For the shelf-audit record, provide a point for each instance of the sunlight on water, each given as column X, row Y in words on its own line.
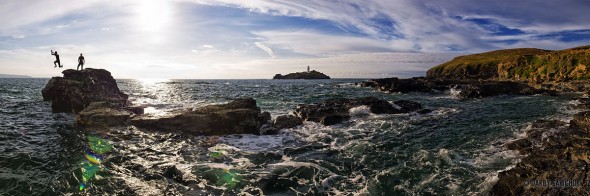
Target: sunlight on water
column 146, row 82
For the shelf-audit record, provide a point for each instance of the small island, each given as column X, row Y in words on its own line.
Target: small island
column 313, row 74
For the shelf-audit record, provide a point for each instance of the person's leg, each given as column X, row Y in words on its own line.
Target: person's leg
column 55, row 64
column 60, row 65
column 79, row 66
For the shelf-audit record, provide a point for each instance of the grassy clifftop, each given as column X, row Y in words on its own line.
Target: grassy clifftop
column 527, row 64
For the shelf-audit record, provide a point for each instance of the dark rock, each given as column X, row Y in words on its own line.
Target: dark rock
column 406, row 106
column 264, row 158
column 424, row 111
column 303, row 75
column 135, row 109
column 382, row 107
column 103, row 114
column 333, row 111
column 494, row 88
column 77, row 89
column 333, row 119
column 469, row 88
column 558, row 164
column 237, row 117
column 521, row 145
column 582, row 120
column 174, row 173
column 286, row 121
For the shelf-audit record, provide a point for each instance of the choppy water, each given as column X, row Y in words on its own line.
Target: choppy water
column 457, row 149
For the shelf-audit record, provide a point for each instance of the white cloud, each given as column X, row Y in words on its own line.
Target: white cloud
column 265, row 48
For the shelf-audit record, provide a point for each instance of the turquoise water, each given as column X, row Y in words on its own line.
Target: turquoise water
column 456, row 149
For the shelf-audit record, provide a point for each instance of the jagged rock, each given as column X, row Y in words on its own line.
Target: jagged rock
column 174, row 173
column 582, row 121
column 103, row 114
column 333, row 111
column 557, row 162
column 286, row 121
column 237, row 117
column 493, row 88
column 77, row 89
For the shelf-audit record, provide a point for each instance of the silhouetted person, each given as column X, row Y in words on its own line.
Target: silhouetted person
column 81, row 62
column 56, row 62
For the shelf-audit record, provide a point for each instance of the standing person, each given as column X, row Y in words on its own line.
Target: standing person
column 81, row 62
column 56, row 62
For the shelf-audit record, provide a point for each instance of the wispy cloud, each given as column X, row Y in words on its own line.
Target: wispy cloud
column 206, row 38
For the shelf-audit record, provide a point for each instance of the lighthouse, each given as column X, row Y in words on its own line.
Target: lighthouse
column 308, row 69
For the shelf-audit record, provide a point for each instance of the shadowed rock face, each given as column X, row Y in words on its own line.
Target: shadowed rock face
column 77, row 89
column 333, row 111
column 237, row 117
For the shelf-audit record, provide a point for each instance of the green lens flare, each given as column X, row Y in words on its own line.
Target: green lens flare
column 99, row 145
column 96, row 153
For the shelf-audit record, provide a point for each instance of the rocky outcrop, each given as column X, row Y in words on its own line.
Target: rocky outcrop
column 237, row 117
column 493, row 88
column 469, row 89
column 77, row 89
column 557, row 160
column 522, row 64
column 334, row 111
column 303, row 75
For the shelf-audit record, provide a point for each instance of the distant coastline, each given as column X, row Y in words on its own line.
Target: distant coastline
column 14, row 76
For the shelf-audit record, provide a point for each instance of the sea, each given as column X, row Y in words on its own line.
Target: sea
column 457, row 149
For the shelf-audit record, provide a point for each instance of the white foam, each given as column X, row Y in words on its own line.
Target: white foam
column 256, row 143
column 454, row 92
column 360, row 111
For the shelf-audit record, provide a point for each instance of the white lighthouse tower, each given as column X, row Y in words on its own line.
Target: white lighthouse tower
column 308, row 69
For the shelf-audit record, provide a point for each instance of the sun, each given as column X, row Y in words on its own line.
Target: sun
column 153, row 17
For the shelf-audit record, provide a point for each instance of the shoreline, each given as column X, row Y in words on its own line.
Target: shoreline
column 553, row 150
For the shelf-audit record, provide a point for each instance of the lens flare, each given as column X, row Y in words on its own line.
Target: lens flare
column 97, row 151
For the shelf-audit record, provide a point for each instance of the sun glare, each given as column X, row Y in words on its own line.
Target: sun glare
column 152, row 81
column 153, row 17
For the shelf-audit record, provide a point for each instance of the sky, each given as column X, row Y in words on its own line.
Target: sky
column 256, row 39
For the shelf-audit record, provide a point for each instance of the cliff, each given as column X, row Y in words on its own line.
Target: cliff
column 303, row 75
column 522, row 64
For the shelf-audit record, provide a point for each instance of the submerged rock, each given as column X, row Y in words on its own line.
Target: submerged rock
column 237, row 117
column 77, row 89
column 334, row 111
